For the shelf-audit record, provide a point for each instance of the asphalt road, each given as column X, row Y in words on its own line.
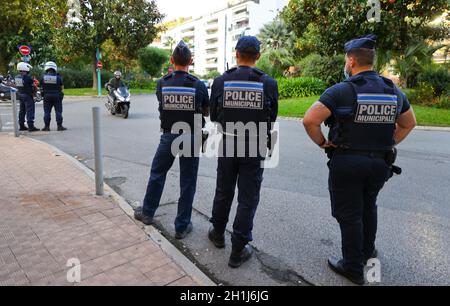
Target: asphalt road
column 294, row 232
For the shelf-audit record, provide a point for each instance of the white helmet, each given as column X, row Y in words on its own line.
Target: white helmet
column 22, row 66
column 118, row 74
column 50, row 65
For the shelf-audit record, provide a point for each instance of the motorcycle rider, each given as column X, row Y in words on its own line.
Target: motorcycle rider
column 52, row 91
column 115, row 83
column 26, row 88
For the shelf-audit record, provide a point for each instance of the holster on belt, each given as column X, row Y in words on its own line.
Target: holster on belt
column 391, row 157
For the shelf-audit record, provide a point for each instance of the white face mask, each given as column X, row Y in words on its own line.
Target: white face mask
column 346, row 73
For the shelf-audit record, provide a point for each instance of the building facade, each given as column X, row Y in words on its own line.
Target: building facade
column 213, row 37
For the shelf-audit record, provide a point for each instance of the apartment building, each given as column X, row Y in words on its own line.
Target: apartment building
column 213, row 36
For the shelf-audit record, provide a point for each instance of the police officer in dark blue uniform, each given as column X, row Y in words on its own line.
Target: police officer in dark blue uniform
column 26, row 88
column 52, row 90
column 183, row 101
column 243, row 94
column 368, row 116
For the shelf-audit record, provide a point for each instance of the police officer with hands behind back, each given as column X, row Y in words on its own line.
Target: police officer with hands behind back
column 183, row 100
column 26, row 88
column 367, row 115
column 245, row 95
column 52, row 90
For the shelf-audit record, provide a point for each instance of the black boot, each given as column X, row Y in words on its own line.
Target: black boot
column 140, row 216
column 238, row 257
column 218, row 239
column 183, row 234
column 337, row 265
column 23, row 127
column 61, row 128
column 32, row 128
column 46, row 128
column 374, row 255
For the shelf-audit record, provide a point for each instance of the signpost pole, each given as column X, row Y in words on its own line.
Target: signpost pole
column 99, row 75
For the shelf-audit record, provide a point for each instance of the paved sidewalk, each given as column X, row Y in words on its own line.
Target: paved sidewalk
column 49, row 214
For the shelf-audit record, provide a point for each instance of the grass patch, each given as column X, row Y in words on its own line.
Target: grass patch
column 425, row 115
column 295, row 107
column 88, row 92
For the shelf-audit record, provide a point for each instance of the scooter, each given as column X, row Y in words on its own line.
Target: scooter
column 118, row 101
column 5, row 89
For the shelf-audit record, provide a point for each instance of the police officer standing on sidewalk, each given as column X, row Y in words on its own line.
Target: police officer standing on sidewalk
column 26, row 88
column 183, row 100
column 367, row 115
column 245, row 95
column 52, row 90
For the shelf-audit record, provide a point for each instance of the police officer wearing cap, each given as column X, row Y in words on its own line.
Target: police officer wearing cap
column 25, row 85
column 368, row 116
column 243, row 94
column 52, row 90
column 183, row 100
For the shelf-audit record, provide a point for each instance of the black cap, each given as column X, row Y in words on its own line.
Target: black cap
column 247, row 42
column 182, row 49
column 365, row 42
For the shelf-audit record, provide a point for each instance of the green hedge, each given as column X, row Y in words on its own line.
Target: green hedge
column 75, row 78
column 300, row 87
column 330, row 69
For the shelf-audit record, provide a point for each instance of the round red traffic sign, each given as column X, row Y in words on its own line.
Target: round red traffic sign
column 24, row 50
column 99, row 65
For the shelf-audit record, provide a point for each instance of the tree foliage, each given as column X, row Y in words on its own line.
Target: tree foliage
column 32, row 23
column 402, row 22
column 152, row 60
column 129, row 24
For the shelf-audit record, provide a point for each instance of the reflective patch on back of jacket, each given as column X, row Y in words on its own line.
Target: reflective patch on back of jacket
column 18, row 81
column 178, row 98
column 376, row 108
column 50, row 79
column 243, row 95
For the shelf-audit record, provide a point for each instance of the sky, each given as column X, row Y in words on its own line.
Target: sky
column 185, row 8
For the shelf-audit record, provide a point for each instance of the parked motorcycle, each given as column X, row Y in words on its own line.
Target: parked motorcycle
column 118, row 101
column 5, row 89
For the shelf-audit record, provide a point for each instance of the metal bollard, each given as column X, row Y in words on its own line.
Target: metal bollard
column 14, row 109
column 98, row 152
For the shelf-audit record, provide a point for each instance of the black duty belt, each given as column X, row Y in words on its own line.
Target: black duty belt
column 377, row 154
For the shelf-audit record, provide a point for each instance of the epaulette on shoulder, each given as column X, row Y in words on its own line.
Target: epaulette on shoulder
column 258, row 71
column 231, row 70
column 167, row 76
column 388, row 82
column 192, row 77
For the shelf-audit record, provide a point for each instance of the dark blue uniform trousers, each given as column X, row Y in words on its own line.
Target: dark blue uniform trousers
column 248, row 175
column 50, row 101
column 27, row 109
column 162, row 162
column 354, row 184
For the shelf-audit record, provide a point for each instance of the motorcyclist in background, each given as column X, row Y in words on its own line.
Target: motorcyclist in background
column 115, row 83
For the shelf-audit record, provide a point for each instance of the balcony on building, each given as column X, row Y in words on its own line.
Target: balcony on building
column 240, row 26
column 212, row 25
column 241, row 14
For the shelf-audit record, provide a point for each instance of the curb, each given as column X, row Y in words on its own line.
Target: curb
column 419, row 127
column 190, row 268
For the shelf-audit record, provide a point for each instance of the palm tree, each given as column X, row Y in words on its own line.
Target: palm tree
column 170, row 41
column 276, row 35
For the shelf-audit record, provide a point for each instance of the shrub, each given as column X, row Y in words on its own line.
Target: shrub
column 423, row 95
column 211, row 75
column 141, row 83
column 327, row 68
column 300, row 87
column 438, row 78
column 266, row 65
column 152, row 60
